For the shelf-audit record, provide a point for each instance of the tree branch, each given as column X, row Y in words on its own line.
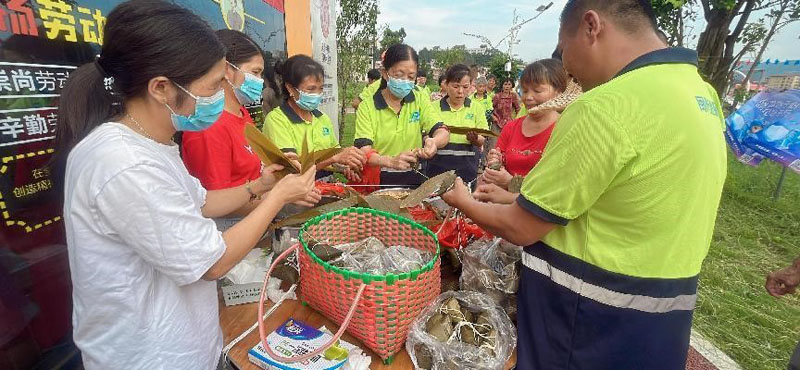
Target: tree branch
column 768, row 4
column 706, row 9
column 743, row 19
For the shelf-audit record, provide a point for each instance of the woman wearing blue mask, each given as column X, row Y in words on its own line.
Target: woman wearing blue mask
column 143, row 252
column 220, row 156
column 298, row 122
column 397, row 126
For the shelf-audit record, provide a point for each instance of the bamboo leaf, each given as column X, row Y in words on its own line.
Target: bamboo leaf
column 267, row 151
column 302, row 217
column 435, row 186
column 306, row 157
column 466, row 130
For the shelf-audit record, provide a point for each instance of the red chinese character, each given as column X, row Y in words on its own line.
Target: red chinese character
column 22, row 21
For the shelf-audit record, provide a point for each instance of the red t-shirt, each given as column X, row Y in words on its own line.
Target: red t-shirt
column 220, row 156
column 521, row 153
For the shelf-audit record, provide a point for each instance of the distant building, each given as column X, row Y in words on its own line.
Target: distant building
column 784, row 82
column 768, row 68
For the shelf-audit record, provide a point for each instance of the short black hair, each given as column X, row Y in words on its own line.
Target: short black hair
column 456, row 73
column 442, row 77
column 422, row 73
column 545, row 71
column 373, row 74
column 507, row 79
column 556, row 54
column 295, row 69
column 630, row 15
column 663, row 37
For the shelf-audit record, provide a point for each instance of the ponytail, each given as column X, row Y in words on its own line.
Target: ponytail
column 88, row 105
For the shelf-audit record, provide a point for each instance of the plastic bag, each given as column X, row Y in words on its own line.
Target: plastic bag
column 439, row 338
column 372, row 257
column 492, row 267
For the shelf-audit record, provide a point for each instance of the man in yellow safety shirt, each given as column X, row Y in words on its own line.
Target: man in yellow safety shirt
column 618, row 215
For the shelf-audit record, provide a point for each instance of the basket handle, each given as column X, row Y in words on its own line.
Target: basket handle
column 262, row 331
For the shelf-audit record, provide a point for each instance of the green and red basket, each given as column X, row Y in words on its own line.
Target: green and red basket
column 376, row 309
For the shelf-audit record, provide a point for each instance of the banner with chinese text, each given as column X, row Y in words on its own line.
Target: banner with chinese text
column 323, row 46
column 41, row 43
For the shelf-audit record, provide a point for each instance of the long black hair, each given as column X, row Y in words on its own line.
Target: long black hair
column 144, row 39
column 240, row 48
column 295, row 69
column 398, row 53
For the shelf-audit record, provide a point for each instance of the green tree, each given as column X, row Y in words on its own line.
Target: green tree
column 498, row 63
column 392, row 37
column 445, row 58
column 355, row 32
column 725, row 24
column 425, row 57
column 675, row 18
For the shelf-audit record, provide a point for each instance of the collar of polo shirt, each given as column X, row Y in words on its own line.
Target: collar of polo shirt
column 380, row 101
column 446, row 106
column 662, row 56
column 293, row 116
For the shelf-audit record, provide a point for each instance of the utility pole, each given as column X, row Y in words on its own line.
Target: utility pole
column 511, row 35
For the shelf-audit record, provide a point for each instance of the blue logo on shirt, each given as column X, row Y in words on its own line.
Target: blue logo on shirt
column 326, row 131
column 414, row 117
column 470, row 116
column 707, row 106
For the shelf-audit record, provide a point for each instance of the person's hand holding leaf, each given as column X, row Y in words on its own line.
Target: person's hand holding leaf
column 298, row 189
column 351, row 157
column 494, row 156
column 268, row 176
column 474, row 138
column 459, row 195
column 499, row 177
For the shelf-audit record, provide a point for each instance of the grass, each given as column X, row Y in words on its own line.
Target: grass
column 348, row 130
column 754, row 235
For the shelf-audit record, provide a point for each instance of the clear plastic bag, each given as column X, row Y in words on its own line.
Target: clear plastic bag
column 475, row 334
column 373, row 257
column 492, row 267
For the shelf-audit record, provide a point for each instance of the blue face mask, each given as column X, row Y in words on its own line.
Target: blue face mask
column 251, row 89
column 399, row 88
column 207, row 110
column 308, row 102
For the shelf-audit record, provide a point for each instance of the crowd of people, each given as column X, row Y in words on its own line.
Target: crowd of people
column 613, row 198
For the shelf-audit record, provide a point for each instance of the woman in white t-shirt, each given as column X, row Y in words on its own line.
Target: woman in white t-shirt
column 143, row 250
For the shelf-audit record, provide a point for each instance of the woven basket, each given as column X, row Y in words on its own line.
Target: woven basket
column 376, row 309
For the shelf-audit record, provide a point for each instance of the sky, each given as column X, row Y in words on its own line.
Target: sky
column 430, row 23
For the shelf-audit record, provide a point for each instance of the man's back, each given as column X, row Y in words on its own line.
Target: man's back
column 634, row 172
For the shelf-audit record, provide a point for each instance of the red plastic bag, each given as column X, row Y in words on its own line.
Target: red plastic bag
column 370, row 175
column 457, row 233
column 421, row 213
column 334, row 189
